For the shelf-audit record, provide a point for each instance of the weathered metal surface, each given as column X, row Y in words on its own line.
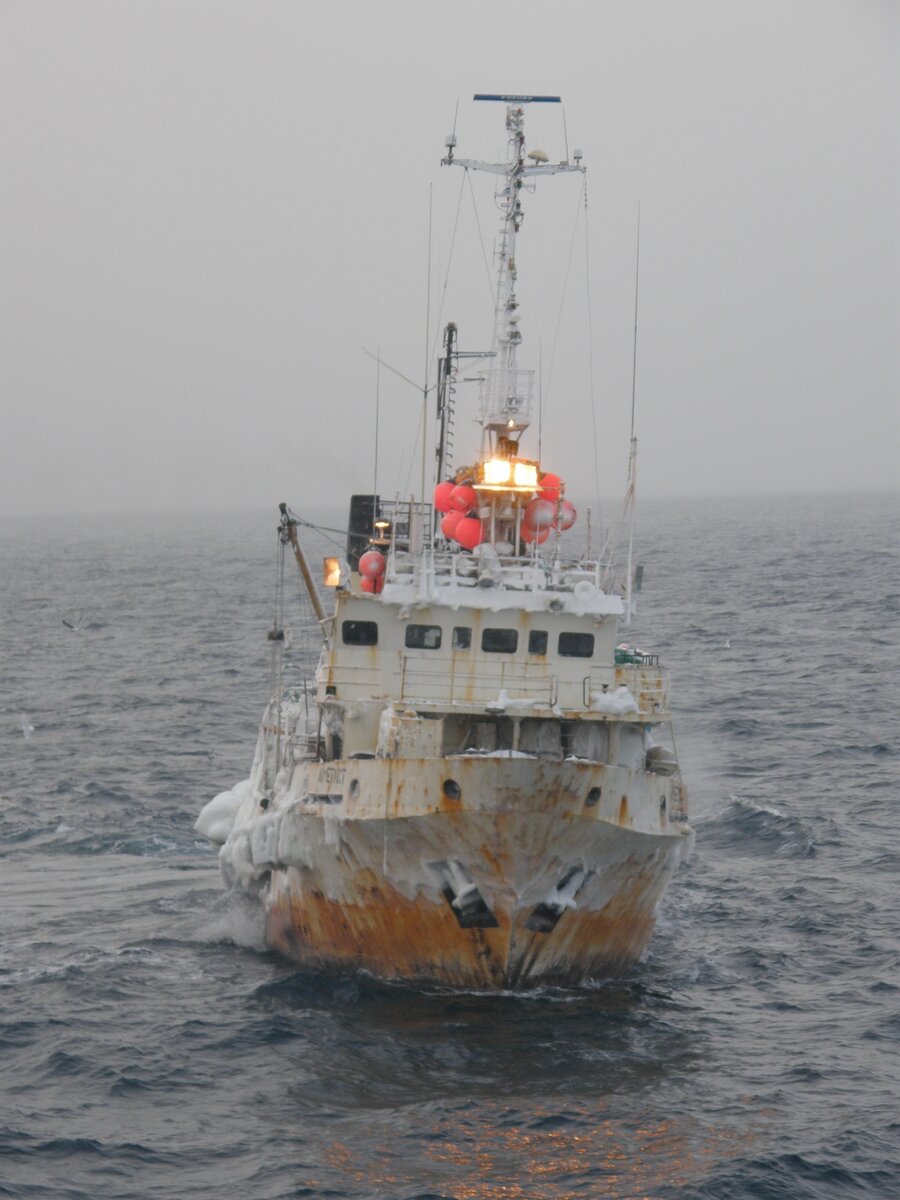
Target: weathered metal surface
column 373, row 926
column 566, row 891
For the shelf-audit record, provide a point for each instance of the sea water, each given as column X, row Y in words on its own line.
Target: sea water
column 152, row 1047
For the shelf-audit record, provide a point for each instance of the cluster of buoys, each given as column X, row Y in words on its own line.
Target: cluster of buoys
column 542, row 514
column 455, row 500
column 454, row 497
column 371, row 570
column 468, row 531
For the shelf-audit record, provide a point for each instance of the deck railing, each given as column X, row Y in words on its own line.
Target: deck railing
column 413, row 679
column 529, row 573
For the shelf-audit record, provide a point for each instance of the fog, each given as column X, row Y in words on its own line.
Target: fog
column 210, row 209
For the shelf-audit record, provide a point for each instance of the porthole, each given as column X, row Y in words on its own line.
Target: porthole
column 592, row 798
column 354, row 789
column 451, row 789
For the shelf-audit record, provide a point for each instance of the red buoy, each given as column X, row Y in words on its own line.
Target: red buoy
column 372, row 585
column 450, row 522
column 371, row 564
column 528, row 534
column 540, row 514
column 550, row 487
column 442, row 495
column 568, row 515
column 469, row 533
column 463, row 498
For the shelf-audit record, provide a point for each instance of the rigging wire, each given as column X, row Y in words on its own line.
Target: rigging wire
column 424, row 391
column 437, row 331
column 587, row 278
column 563, row 297
column 406, row 379
column 487, row 269
column 412, row 458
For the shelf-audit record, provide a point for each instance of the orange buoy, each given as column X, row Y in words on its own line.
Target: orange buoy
column 568, row 515
column 371, row 564
column 463, row 498
column 550, row 487
column 529, row 534
column 469, row 533
column 539, row 514
column 450, row 522
column 372, row 585
column 442, row 495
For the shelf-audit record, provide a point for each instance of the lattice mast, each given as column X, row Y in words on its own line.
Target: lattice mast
column 506, row 391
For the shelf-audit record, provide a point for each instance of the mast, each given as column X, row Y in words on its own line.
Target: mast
column 445, row 390
column 506, row 392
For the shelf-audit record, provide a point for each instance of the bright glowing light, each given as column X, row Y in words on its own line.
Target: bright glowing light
column 332, row 573
column 497, row 470
column 525, row 475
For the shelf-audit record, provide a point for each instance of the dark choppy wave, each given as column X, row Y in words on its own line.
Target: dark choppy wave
column 153, row 1048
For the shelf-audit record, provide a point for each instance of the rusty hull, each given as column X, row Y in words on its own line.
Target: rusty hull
column 359, row 882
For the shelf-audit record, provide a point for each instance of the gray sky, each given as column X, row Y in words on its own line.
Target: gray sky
column 210, row 207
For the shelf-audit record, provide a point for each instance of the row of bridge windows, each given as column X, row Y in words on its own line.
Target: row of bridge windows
column 493, row 641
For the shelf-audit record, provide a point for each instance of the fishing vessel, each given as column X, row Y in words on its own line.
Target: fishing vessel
column 479, row 787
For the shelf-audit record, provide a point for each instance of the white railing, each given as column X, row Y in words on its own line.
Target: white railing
column 512, row 573
column 648, row 685
column 424, row 681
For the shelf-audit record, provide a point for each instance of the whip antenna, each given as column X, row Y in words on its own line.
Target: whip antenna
column 632, row 457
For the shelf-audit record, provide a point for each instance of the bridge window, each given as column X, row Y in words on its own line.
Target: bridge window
column 360, row 633
column 423, row 637
column 462, row 637
column 576, row 645
column 537, row 641
column 500, row 641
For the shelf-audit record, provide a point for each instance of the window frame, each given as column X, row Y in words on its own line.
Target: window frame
column 464, row 643
column 534, row 634
column 492, row 629
column 572, row 634
column 359, row 625
column 426, row 630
